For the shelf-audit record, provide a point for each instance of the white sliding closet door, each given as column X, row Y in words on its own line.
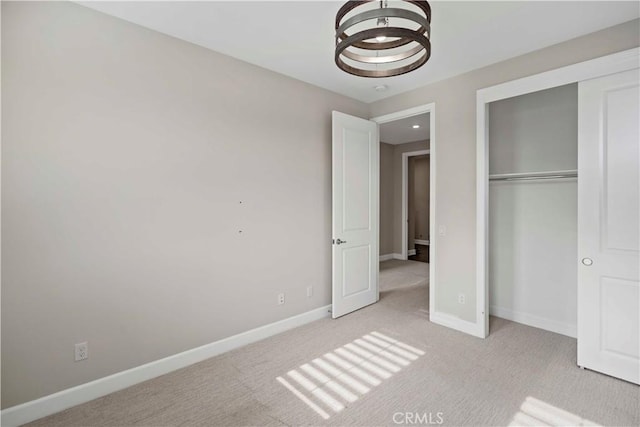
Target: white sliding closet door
column 609, row 225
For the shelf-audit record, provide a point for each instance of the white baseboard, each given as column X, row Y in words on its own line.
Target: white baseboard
column 47, row 405
column 456, row 323
column 421, row 242
column 411, row 252
column 535, row 321
column 387, row 257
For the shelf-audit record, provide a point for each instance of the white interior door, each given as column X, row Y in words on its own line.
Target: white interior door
column 356, row 176
column 609, row 225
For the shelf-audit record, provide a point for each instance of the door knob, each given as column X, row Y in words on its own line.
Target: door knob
column 339, row 242
column 587, row 261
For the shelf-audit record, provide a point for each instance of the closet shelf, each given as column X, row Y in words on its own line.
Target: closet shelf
column 530, row 176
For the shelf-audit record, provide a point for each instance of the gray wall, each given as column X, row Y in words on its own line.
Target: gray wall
column 455, row 100
column 534, row 132
column 386, row 198
column 126, row 155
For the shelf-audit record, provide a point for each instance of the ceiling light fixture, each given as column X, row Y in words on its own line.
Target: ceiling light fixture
column 390, row 31
column 416, row 126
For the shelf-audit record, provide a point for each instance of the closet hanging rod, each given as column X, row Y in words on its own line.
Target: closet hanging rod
column 530, row 176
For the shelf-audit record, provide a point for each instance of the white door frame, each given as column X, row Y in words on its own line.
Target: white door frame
column 609, row 64
column 405, row 199
column 422, row 109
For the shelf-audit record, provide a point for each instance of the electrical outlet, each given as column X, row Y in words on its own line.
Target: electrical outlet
column 280, row 299
column 82, row 351
column 309, row 291
column 461, row 298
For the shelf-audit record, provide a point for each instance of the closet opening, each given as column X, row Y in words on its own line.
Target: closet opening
column 606, row 248
column 532, row 208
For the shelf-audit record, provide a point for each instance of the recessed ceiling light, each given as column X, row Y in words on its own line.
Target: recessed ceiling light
column 416, row 126
column 380, row 88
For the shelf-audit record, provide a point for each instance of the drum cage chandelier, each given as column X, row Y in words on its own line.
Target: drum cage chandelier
column 382, row 44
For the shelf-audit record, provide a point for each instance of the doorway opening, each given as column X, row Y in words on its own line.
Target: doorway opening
column 356, row 213
column 415, row 205
column 407, row 199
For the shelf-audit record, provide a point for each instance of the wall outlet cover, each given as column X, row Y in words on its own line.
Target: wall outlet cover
column 81, row 351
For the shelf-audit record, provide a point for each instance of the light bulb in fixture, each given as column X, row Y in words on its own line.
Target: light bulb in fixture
column 382, row 22
column 416, row 126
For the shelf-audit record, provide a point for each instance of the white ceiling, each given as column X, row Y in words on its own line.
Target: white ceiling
column 402, row 131
column 295, row 38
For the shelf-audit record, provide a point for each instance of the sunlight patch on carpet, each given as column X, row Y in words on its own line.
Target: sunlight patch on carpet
column 534, row 412
column 328, row 384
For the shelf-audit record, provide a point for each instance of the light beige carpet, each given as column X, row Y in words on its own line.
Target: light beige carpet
column 401, row 274
column 518, row 373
